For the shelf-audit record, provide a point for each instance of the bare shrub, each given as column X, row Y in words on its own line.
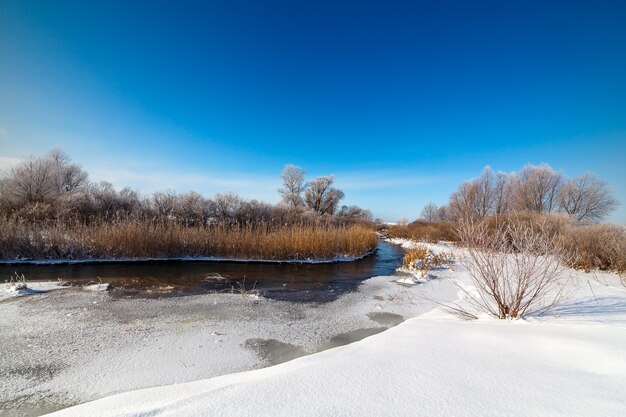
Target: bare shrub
column 421, row 258
column 515, row 268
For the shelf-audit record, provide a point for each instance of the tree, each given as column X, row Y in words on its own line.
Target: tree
column 292, row 177
column 32, row 181
column 226, row 207
column 587, row 198
column 502, row 194
column 429, row 212
column 321, row 197
column 442, row 214
column 536, row 189
column 463, row 201
column 354, row 213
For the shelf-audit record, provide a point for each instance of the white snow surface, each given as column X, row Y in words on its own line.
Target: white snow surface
column 570, row 361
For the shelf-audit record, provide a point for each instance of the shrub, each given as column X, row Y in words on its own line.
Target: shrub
column 597, row 246
column 421, row 258
column 426, row 231
column 515, row 268
column 413, row 257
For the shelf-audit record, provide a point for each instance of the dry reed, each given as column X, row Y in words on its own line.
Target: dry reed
column 425, row 231
column 134, row 239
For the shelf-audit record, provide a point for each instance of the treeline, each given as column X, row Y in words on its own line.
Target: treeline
column 49, row 210
column 51, row 188
column 567, row 209
column 534, row 189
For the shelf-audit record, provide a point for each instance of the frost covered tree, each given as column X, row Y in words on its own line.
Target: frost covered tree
column 321, row 197
column 429, row 212
column 536, row 189
column 292, row 178
column 586, row 198
column 43, row 179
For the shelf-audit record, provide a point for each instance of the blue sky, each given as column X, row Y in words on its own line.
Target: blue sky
column 400, row 100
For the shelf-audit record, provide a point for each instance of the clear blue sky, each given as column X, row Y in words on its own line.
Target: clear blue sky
column 401, row 101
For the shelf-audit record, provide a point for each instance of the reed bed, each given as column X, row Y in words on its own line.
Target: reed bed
column 136, row 240
column 425, row 231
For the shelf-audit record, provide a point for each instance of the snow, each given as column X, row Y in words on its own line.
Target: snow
column 570, row 361
column 339, row 258
column 16, row 289
column 97, row 287
column 71, row 335
column 12, row 289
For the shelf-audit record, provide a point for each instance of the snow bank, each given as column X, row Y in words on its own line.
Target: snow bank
column 10, row 289
column 436, row 248
column 425, row 366
column 569, row 362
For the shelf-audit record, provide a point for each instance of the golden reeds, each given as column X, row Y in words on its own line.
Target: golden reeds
column 135, row 239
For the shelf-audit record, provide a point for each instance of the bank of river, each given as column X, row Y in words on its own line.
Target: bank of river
column 318, row 282
column 71, row 346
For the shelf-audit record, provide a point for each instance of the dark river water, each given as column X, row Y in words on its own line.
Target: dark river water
column 285, row 281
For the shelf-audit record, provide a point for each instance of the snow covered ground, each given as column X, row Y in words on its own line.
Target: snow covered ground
column 570, row 361
column 72, row 346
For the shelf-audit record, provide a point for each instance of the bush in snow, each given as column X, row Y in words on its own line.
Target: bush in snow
column 515, row 268
column 421, row 258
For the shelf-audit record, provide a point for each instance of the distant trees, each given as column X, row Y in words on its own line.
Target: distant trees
column 586, row 197
column 429, row 212
column 293, row 186
column 354, row 214
column 321, row 197
column 535, row 189
column 43, row 179
column 52, row 188
column 318, row 196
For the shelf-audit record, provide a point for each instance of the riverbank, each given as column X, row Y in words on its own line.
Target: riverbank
column 64, row 338
column 568, row 361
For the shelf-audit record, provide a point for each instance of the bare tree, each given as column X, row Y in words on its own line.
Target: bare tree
column 484, row 195
column 442, row 214
column 226, row 207
column 164, row 203
column 354, row 213
column 515, row 268
column 293, row 185
column 463, row 201
column 587, row 198
column 502, row 194
column 429, row 212
column 32, row 181
column 321, row 197
column 536, row 189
